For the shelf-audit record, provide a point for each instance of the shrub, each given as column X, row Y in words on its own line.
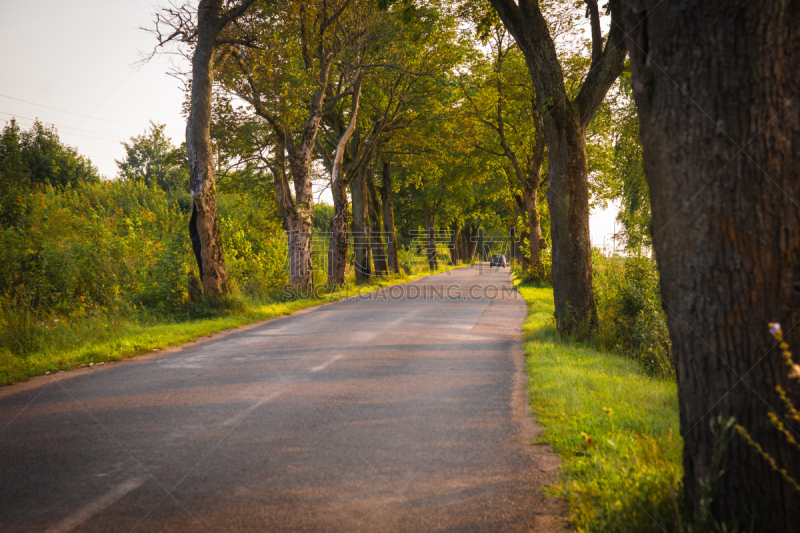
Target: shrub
column 122, row 247
column 539, row 275
column 631, row 320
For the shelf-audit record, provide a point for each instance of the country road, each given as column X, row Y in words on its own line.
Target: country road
column 402, row 410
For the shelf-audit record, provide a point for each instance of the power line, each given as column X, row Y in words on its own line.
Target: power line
column 111, row 137
column 71, row 112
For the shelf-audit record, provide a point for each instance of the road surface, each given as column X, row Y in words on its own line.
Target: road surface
column 403, row 410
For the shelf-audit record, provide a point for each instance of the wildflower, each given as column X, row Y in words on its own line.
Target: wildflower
column 774, row 328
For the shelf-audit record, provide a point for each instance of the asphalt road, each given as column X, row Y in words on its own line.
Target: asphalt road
column 404, row 410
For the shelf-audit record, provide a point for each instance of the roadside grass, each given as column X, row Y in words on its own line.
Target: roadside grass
column 65, row 344
column 614, row 428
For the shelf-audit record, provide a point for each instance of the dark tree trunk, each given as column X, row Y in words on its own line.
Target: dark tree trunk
column 359, row 228
column 462, row 245
column 530, row 199
column 469, row 237
column 455, row 237
column 430, row 230
column 340, row 226
column 388, row 217
column 564, row 121
column 568, row 200
column 716, row 87
column 473, row 240
column 379, row 257
column 516, row 240
column 204, row 222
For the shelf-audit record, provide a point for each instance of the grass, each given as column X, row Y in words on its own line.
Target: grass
column 614, row 428
column 78, row 342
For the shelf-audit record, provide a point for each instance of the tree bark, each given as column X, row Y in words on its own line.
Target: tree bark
column 340, row 227
column 455, row 237
column 337, row 251
column 387, row 196
column 430, row 230
column 359, row 228
column 716, row 87
column 469, row 235
column 537, row 244
column 379, row 256
column 564, row 122
column 204, row 222
column 462, row 245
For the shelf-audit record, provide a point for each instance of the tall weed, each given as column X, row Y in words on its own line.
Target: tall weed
column 631, row 320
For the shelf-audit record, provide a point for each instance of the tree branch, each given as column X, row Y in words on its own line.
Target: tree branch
column 597, row 36
column 605, row 71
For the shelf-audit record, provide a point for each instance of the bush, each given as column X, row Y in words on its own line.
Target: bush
column 540, row 275
column 631, row 321
column 99, row 249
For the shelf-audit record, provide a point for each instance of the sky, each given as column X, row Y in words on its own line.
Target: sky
column 76, row 64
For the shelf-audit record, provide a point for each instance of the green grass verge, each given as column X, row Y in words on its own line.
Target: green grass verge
column 83, row 341
column 614, row 428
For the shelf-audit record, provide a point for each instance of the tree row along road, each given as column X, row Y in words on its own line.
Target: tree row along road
column 403, row 410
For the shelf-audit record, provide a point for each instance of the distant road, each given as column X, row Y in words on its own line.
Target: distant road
column 403, row 410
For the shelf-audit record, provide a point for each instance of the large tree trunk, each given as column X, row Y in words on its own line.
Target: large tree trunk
column 340, row 227
column 463, row 249
column 568, row 200
column 300, row 225
column 716, row 87
column 379, row 257
column 359, row 228
column 388, row 216
column 430, row 230
column 469, row 236
column 564, row 120
column 204, row 222
column 337, row 251
column 455, row 237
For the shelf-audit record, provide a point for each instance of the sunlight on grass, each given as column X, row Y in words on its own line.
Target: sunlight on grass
column 614, row 428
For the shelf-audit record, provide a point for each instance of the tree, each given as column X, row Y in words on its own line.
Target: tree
column 716, row 88
column 565, row 117
column 402, row 67
column 302, row 66
column 209, row 43
column 387, row 214
column 504, row 104
column 33, row 158
column 48, row 161
column 14, row 177
column 153, row 159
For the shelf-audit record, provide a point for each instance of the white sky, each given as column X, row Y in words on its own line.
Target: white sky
column 80, row 56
